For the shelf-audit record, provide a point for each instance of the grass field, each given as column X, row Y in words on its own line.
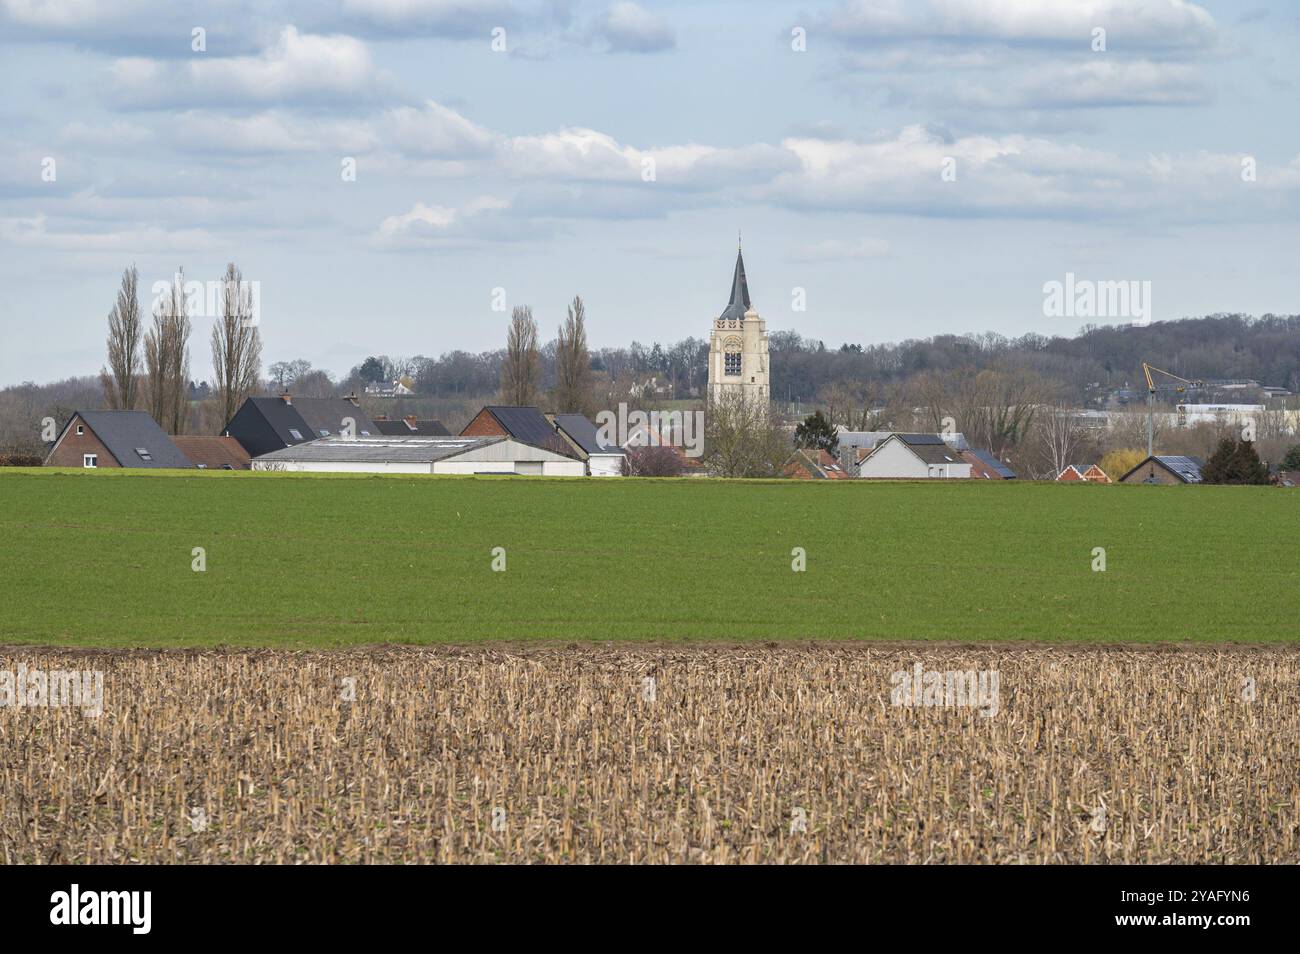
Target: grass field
column 104, row 559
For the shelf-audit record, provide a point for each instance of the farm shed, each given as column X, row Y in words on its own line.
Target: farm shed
column 114, row 439
column 421, row 455
column 526, row 424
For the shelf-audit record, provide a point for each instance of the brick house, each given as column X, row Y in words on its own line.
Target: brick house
column 94, row 439
column 525, row 424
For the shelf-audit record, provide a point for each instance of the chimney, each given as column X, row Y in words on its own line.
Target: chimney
column 353, row 398
column 285, row 397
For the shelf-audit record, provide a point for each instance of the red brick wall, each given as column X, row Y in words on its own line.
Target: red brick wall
column 68, row 452
column 484, row 425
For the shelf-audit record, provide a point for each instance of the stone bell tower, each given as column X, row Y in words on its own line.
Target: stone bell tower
column 738, row 346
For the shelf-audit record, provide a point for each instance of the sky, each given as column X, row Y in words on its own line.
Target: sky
column 396, row 175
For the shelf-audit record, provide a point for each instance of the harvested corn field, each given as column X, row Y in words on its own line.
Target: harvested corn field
column 664, row 754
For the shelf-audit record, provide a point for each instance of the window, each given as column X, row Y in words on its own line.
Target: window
column 295, row 433
column 324, row 432
column 144, row 453
column 731, row 364
column 89, row 460
column 81, row 429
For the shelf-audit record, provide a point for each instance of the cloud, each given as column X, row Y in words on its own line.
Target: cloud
column 1130, row 24
column 297, row 68
column 836, row 250
column 34, row 232
column 269, row 132
column 434, row 131
column 437, row 226
column 462, row 19
column 628, row 28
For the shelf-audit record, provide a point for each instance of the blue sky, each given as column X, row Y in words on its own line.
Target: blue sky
column 527, row 169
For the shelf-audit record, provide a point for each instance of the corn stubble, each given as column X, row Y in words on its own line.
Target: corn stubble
column 558, row 755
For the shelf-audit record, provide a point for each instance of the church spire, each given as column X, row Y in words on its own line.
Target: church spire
column 739, row 302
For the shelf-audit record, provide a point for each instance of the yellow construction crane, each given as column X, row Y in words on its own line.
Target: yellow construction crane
column 1151, row 396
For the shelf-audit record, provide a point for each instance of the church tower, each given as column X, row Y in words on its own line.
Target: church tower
column 738, row 346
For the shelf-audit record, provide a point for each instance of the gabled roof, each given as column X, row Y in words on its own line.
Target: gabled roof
column 930, row 448
column 990, row 462
column 583, row 433
column 404, row 427
column 283, row 419
column 1186, row 469
column 133, row 436
column 529, row 425
column 325, row 416
column 817, row 464
column 738, row 304
column 213, row 453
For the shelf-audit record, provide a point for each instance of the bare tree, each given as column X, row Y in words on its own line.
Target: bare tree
column 741, row 439
column 167, row 359
column 573, row 363
column 1060, row 436
column 121, row 378
column 521, row 370
column 236, row 345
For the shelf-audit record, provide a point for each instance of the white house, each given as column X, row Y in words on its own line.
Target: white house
column 421, row 455
column 913, row 455
column 603, row 460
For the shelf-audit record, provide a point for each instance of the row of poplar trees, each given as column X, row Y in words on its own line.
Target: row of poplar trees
column 150, row 369
column 521, row 372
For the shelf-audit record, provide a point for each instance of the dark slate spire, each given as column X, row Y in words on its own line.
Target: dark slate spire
column 739, row 302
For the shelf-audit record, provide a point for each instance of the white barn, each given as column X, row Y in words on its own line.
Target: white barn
column 421, row 455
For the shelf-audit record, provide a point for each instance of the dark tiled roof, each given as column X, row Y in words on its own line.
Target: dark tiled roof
column 325, row 416
column 584, row 433
column 738, row 304
column 992, row 463
column 404, row 428
column 529, row 425
column 283, row 418
column 127, row 433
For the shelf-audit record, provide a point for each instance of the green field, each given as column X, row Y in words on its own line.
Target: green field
column 104, row 559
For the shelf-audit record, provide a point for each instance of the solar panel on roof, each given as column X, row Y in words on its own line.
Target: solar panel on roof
column 921, row 438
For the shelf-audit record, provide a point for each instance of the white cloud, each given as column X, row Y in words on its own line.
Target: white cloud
column 628, row 28
column 437, row 226
column 297, row 67
column 34, row 232
column 1131, row 24
column 435, row 132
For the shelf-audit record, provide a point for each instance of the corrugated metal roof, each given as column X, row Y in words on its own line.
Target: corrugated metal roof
column 411, row 450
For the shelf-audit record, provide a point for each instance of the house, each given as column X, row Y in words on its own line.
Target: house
column 402, row 387
column 421, row 455
column 1165, row 469
column 1088, row 472
column 266, row 424
column 527, row 425
column 856, row 446
column 114, row 439
column 603, row 460
column 901, row 456
column 984, row 465
column 409, row 427
column 213, row 453
column 809, row 464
